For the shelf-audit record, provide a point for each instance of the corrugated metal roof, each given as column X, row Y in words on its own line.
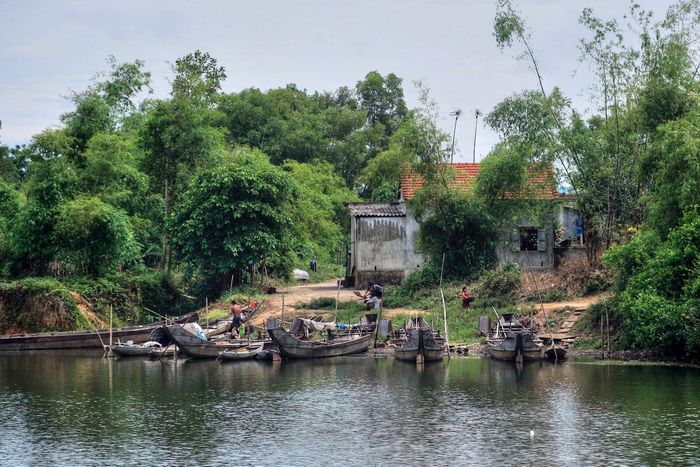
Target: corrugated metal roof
column 376, row 210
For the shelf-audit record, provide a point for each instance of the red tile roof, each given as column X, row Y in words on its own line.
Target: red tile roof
column 465, row 176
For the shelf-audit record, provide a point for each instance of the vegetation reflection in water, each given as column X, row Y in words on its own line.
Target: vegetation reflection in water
column 356, row 411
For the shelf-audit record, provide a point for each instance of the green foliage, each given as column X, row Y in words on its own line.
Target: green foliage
column 9, row 209
column 629, row 259
column 508, row 25
column 499, row 287
column 111, row 171
column 417, row 285
column 461, row 228
column 659, row 283
column 51, row 182
column 410, row 143
column 382, row 99
column 93, row 237
column 232, row 214
column 502, row 174
column 318, row 213
column 289, row 124
column 676, row 154
column 198, row 78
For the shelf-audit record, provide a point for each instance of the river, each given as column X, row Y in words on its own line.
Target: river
column 63, row 409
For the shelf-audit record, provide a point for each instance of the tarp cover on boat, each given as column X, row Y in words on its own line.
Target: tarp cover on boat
column 318, row 325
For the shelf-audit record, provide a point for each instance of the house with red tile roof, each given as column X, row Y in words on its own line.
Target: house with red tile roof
column 384, row 236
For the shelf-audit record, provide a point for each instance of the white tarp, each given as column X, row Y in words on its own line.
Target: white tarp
column 318, row 325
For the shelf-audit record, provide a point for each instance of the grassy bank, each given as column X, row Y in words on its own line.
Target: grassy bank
column 39, row 304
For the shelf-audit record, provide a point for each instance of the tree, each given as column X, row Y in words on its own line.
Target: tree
column 318, row 212
column 460, row 227
column 93, row 237
column 417, row 139
column 198, row 79
column 289, row 124
column 51, row 183
column 10, row 205
column 101, row 107
column 231, row 214
column 382, row 99
column 177, row 138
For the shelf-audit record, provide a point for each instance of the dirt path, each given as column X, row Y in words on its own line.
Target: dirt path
column 305, row 293
column 577, row 303
column 295, row 296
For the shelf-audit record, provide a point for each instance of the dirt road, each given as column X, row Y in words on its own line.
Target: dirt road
column 295, row 296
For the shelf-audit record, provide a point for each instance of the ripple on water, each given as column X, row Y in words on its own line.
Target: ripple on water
column 351, row 411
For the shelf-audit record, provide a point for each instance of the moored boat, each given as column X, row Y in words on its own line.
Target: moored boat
column 510, row 340
column 420, row 346
column 244, row 353
column 84, row 339
column 157, row 345
column 199, row 347
column 555, row 353
column 292, row 347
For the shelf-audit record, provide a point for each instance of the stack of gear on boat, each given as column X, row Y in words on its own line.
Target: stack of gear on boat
column 373, row 295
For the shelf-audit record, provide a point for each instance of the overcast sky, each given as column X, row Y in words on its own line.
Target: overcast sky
column 50, row 47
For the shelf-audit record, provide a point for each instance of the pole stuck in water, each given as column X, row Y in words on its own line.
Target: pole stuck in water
column 444, row 308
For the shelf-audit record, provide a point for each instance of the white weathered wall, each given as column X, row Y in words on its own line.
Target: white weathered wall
column 384, row 248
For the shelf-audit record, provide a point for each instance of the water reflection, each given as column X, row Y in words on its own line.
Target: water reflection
column 85, row 410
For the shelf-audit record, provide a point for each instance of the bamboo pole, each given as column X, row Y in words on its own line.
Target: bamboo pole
column 206, row 309
column 337, row 298
column 282, row 317
column 444, row 308
column 607, row 327
column 109, row 354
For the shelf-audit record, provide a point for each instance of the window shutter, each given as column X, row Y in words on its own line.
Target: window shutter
column 515, row 240
column 542, row 240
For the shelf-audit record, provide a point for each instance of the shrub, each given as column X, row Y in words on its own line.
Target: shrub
column 499, row 287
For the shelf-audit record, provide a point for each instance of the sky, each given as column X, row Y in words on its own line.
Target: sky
column 48, row 48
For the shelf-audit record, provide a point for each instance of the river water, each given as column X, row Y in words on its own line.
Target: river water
column 60, row 409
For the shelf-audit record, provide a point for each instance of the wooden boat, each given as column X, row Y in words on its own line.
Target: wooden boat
column 84, row 339
column 420, row 346
column 510, row 340
column 555, row 353
column 293, row 347
column 194, row 347
column 131, row 350
column 157, row 345
column 244, row 353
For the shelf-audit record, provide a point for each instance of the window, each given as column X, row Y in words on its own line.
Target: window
column 528, row 239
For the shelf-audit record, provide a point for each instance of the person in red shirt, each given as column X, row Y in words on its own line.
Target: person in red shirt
column 466, row 298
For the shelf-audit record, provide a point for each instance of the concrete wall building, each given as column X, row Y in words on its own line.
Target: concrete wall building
column 383, row 241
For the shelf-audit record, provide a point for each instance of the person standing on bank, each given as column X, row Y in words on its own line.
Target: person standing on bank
column 235, row 319
column 466, row 298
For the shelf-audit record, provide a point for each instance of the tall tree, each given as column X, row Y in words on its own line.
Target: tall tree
column 198, row 78
column 177, row 138
column 231, row 214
